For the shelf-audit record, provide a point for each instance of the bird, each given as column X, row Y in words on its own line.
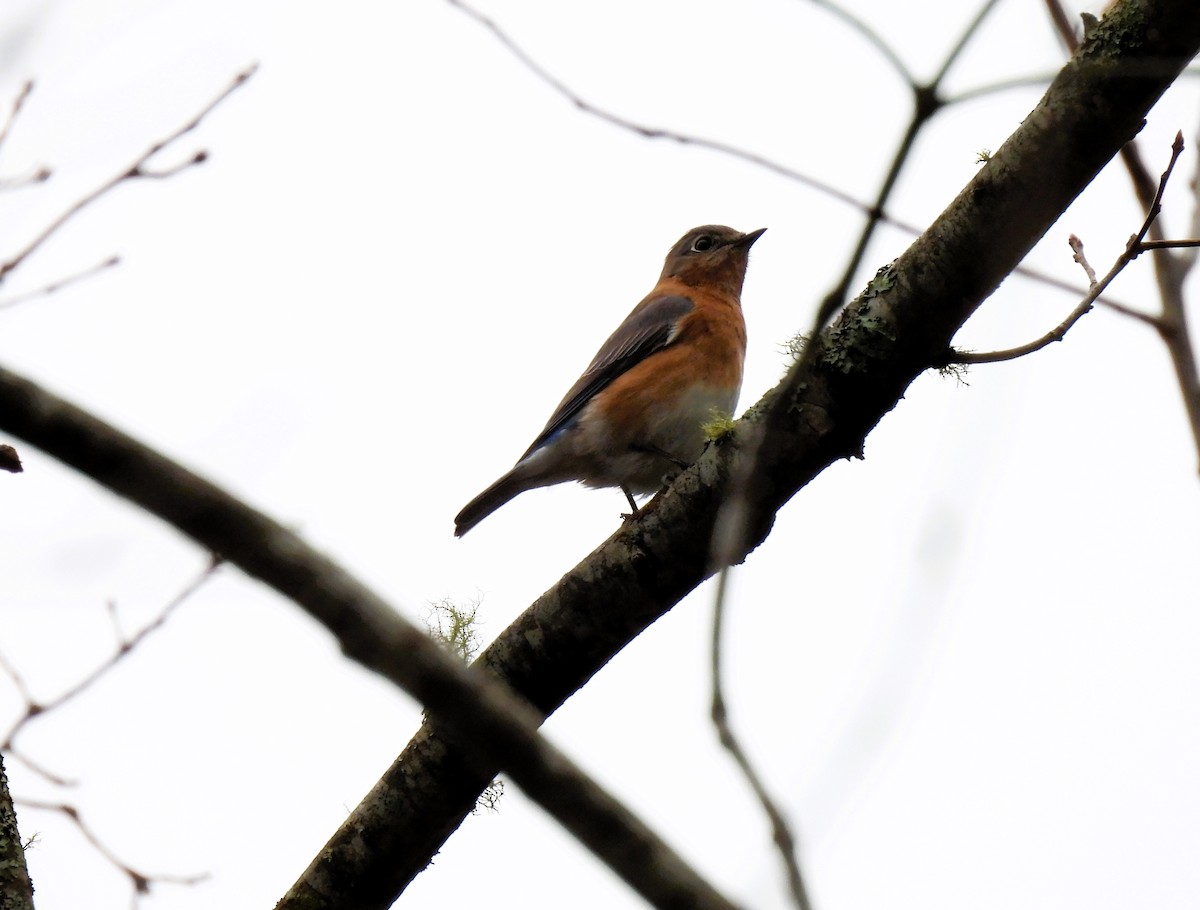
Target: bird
column 635, row 417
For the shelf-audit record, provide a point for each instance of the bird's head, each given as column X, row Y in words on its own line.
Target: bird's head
column 712, row 254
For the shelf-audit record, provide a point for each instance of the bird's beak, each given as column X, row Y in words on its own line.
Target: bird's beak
column 747, row 240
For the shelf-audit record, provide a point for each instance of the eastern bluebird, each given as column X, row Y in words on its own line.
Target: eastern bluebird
column 636, row 413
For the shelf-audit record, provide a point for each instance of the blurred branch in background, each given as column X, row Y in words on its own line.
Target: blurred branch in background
column 141, row 882
column 139, row 168
column 35, row 708
column 37, row 174
column 877, row 213
column 781, row 830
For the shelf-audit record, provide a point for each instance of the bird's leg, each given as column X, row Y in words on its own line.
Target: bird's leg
column 667, row 478
column 634, row 511
column 629, row 496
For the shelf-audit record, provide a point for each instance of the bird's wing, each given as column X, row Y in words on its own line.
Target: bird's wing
column 649, row 328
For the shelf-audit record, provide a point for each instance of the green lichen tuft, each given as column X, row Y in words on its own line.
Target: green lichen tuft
column 718, row 426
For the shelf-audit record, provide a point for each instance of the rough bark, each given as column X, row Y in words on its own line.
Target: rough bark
column 855, row 372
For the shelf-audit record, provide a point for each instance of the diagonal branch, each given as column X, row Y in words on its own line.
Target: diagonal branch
column 37, row 708
column 14, row 111
column 927, row 101
column 491, row 726
column 852, row 374
column 55, row 286
column 1134, row 248
column 653, row 132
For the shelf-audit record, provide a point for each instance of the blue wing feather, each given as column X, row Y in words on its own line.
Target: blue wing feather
column 649, row 328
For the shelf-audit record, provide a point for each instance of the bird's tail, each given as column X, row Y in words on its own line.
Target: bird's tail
column 487, row 502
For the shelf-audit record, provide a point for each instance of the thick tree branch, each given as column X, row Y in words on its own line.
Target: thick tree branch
column 853, row 373
column 16, row 890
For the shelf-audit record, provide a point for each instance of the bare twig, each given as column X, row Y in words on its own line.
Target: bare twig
column 1064, row 27
column 137, row 169
column 871, row 36
column 781, row 832
column 18, row 103
column 1167, row 245
column 1077, row 248
column 1170, row 270
column 1133, row 249
column 652, row 132
column 968, row 33
column 56, row 286
column 39, row 174
column 140, row 881
column 1003, row 85
column 35, row 708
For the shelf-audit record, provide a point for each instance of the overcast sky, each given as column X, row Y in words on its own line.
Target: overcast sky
column 966, row 665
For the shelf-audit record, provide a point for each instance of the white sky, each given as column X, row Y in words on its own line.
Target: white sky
column 966, row 664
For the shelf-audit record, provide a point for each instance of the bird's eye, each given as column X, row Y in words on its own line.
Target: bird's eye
column 702, row 243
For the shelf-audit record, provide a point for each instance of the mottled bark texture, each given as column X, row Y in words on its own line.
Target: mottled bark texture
column 853, row 374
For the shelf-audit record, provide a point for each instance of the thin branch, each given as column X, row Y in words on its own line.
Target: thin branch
column 872, row 37
column 41, row 770
column 1133, row 249
column 35, row 708
column 926, row 103
column 968, row 33
column 1167, row 245
column 18, row 103
column 56, row 286
column 1169, row 270
column 1064, row 27
column 652, row 132
column 1080, row 257
column 995, row 88
column 781, row 832
column 135, row 170
column 140, row 881
column 1055, row 334
column 36, row 175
